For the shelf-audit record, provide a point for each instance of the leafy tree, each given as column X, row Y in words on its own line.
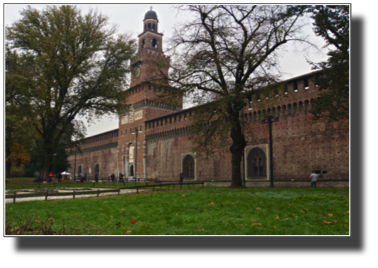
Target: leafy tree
column 19, row 133
column 77, row 65
column 226, row 55
column 332, row 23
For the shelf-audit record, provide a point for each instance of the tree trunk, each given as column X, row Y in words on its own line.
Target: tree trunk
column 46, row 166
column 8, row 162
column 236, row 149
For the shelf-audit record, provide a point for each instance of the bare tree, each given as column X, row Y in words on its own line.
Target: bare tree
column 226, row 55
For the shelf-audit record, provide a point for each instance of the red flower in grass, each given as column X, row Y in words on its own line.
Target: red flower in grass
column 37, row 218
column 83, row 222
column 132, row 221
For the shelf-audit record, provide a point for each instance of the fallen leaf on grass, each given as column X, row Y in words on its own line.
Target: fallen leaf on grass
column 128, row 232
column 277, row 217
column 111, row 217
column 304, row 211
column 257, row 208
column 274, row 227
column 256, row 223
column 330, row 214
column 334, row 221
column 122, row 209
column 327, row 222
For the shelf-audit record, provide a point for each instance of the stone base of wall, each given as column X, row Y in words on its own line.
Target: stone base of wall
column 342, row 183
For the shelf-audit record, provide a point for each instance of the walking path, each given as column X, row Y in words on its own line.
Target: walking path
column 42, row 198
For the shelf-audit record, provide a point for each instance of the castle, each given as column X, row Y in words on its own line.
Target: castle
column 152, row 139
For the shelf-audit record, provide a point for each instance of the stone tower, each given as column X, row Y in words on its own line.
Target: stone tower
column 142, row 97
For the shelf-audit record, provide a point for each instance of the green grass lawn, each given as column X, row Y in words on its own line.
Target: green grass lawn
column 208, row 211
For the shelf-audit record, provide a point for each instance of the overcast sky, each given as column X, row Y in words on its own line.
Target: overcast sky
column 129, row 18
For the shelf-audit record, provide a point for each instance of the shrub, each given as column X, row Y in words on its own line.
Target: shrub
column 17, row 172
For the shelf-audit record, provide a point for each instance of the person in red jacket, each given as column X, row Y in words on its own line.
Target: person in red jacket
column 51, row 176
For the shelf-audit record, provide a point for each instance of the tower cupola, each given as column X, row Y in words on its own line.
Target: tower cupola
column 150, row 15
column 150, row 21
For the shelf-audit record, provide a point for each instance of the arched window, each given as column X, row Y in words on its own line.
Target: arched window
column 256, row 163
column 188, row 167
column 154, row 43
column 143, row 43
column 149, row 26
column 131, row 153
column 153, row 27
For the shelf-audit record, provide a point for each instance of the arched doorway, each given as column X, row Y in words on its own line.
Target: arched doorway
column 188, row 167
column 256, row 163
column 79, row 171
column 131, row 170
column 97, row 169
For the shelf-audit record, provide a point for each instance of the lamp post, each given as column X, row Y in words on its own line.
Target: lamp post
column 269, row 120
column 243, row 121
column 136, row 148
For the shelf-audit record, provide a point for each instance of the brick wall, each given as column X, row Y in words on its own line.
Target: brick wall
column 300, row 145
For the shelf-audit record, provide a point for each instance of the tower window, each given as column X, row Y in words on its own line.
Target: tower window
column 143, row 43
column 153, row 27
column 306, row 83
column 154, row 43
column 149, row 26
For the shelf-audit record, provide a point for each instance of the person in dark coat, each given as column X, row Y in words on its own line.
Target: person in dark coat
column 181, row 178
column 120, row 177
column 96, row 177
column 59, row 177
column 112, row 177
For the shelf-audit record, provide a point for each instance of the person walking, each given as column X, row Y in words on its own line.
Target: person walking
column 120, row 177
column 112, row 177
column 51, row 176
column 181, row 177
column 314, row 178
column 96, row 177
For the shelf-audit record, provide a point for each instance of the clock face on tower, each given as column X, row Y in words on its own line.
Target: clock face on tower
column 137, row 72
